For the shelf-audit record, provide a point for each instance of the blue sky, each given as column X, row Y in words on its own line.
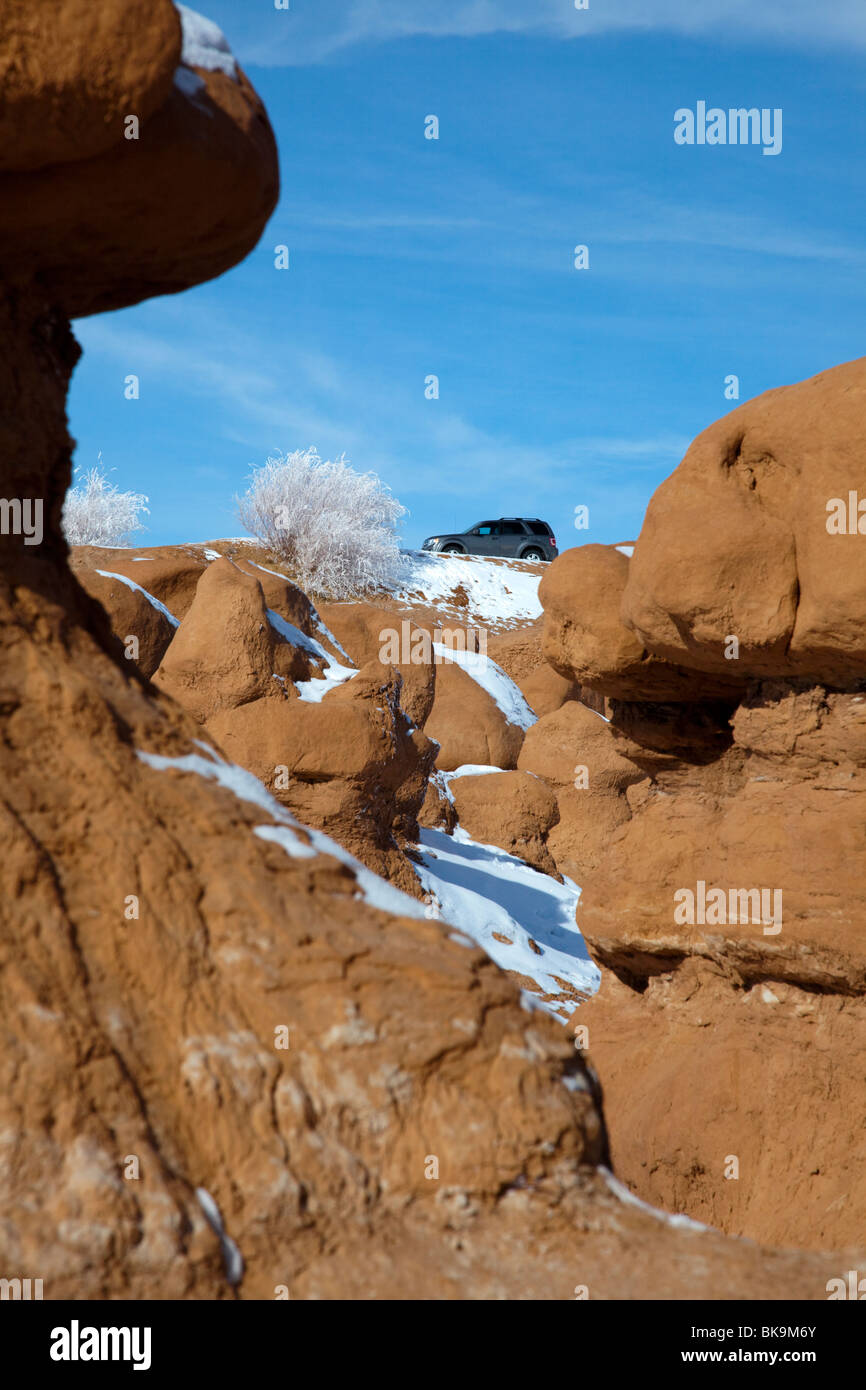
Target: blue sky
column 454, row 257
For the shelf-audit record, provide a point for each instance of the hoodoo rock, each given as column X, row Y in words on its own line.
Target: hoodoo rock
column 510, row 809
column 575, row 753
column 227, row 652
column 350, row 764
column 728, row 906
column 366, row 632
column 587, row 641
column 143, row 629
column 469, row 725
column 754, row 536
column 172, row 193
column 196, row 992
column 339, row 751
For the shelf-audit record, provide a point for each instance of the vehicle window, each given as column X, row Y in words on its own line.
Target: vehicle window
column 539, row 528
column 489, row 528
column 511, row 528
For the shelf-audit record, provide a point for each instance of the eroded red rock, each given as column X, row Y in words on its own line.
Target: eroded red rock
column 743, row 540
column 469, row 725
column 587, row 641
column 513, row 810
column 726, row 905
column 189, row 997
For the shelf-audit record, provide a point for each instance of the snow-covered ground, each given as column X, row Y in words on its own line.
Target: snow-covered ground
column 503, row 904
column 525, row 920
column 500, row 593
column 488, row 896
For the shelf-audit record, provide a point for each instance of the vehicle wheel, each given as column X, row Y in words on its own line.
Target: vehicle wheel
column 532, row 555
column 452, row 550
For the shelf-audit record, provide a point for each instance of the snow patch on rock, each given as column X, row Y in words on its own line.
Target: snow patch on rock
column 479, row 889
column 234, row 1260
column 235, row 779
column 315, row 689
column 492, row 678
column 190, row 84
column 620, row 1190
column 131, row 584
column 204, row 44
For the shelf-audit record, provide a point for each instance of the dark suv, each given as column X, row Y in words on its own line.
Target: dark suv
column 516, row 537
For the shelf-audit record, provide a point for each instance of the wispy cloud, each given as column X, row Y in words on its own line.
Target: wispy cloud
column 338, row 406
column 381, row 221
column 214, row 361
column 623, row 227
column 321, row 30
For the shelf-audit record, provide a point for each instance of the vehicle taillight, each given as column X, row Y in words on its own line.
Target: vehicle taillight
column 552, row 540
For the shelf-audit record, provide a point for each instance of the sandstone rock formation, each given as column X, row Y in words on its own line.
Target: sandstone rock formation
column 728, row 902
column 576, row 754
column 168, row 573
column 226, row 652
column 346, row 759
column 366, row 631
column 513, row 810
column 755, row 543
column 587, row 641
column 469, row 725
column 196, row 993
column 740, row 1102
column 438, row 809
column 174, row 189
column 282, row 596
column 546, row 690
column 58, row 104
column 351, row 765
column 780, row 811
column 143, row 629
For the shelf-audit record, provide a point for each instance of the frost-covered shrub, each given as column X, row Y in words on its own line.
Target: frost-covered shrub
column 335, row 527
column 96, row 512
